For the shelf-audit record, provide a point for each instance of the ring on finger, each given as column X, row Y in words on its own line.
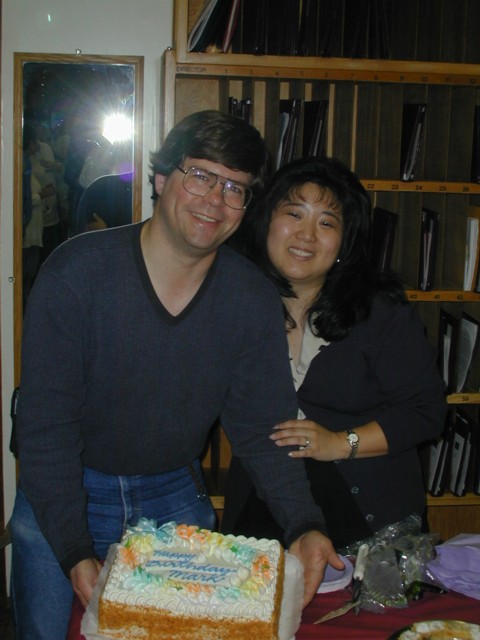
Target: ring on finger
column 305, row 446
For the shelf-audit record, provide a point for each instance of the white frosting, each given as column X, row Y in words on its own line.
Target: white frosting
column 198, row 573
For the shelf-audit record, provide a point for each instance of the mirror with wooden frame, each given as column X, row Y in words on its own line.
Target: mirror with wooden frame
column 78, row 155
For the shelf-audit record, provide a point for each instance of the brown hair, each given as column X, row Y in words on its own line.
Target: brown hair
column 215, row 136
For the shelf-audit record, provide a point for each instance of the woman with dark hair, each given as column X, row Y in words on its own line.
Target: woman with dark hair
column 367, row 384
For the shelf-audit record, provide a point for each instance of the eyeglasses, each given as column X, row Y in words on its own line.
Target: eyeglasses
column 199, row 182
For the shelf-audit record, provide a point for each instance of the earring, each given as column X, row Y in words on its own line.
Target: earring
column 338, row 259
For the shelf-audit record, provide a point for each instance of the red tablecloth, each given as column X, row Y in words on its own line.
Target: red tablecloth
column 368, row 626
column 376, row 626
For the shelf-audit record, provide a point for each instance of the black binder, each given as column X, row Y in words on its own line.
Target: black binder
column 439, row 460
column 379, row 31
column 460, row 454
column 330, row 28
column 231, row 25
column 384, row 227
column 475, row 169
column 290, row 111
column 476, row 459
column 240, row 108
column 314, row 127
column 472, row 250
column 356, row 28
column 447, row 348
column 428, row 249
column 467, row 344
column 307, row 38
column 254, row 26
column 413, row 121
column 210, row 27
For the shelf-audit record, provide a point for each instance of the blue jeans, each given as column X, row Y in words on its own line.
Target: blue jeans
column 41, row 594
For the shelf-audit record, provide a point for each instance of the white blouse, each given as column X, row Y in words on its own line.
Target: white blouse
column 311, row 345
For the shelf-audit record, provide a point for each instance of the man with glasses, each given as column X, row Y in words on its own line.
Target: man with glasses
column 136, row 339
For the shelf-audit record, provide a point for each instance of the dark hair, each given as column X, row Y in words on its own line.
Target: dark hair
column 351, row 284
column 216, row 136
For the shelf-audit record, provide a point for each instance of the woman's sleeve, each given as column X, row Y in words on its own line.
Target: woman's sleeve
column 405, row 365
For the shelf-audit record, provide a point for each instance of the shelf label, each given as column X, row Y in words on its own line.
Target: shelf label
column 186, row 68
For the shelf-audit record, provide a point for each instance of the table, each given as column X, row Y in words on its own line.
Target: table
column 367, row 626
column 376, row 626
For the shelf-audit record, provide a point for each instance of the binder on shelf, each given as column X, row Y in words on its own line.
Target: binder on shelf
column 447, row 348
column 307, row 37
column 255, row 23
column 231, row 25
column 246, row 110
column 240, row 108
column 460, row 457
column 467, row 343
column 471, row 254
column 472, row 250
column 366, row 31
column 288, row 12
column 314, row 127
column 428, row 249
column 356, row 28
column 261, row 27
column 476, row 459
column 384, row 225
column 413, row 122
column 379, row 32
column 290, row 111
column 208, row 30
column 329, row 28
column 283, row 120
column 439, row 461
column 274, row 29
column 475, row 166
column 232, row 106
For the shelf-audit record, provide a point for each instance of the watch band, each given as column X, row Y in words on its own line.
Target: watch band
column 353, row 441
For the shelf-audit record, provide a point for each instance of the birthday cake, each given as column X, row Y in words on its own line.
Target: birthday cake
column 182, row 582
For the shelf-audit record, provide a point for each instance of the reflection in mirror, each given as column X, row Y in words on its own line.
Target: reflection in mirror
column 78, row 153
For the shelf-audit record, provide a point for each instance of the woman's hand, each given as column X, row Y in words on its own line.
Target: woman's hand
column 312, row 440
column 317, row 442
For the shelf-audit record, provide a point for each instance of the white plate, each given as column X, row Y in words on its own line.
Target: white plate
column 335, row 580
column 430, row 629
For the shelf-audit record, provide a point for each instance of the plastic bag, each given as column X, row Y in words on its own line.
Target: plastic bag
column 397, row 561
column 457, row 564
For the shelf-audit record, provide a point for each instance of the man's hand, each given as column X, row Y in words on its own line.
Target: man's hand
column 83, row 577
column 315, row 551
column 97, row 223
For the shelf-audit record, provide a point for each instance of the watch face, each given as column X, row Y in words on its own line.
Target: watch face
column 353, row 438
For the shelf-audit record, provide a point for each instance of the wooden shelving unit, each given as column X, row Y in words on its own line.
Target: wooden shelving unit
column 365, row 97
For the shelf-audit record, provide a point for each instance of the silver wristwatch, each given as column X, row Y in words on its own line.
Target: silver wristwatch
column 353, row 441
